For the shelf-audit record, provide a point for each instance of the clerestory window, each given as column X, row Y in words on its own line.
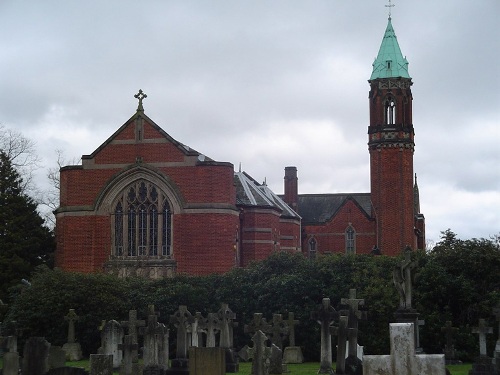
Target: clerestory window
column 142, row 222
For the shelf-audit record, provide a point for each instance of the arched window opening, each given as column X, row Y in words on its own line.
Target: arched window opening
column 312, row 248
column 390, row 111
column 142, row 222
column 350, row 240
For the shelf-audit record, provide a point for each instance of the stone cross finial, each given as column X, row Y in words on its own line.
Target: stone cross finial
column 390, row 6
column 140, row 96
column 71, row 318
column 482, row 330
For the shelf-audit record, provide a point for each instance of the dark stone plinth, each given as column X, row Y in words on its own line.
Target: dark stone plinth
column 353, row 365
column 232, row 363
column 483, row 366
column 180, row 366
column 154, row 370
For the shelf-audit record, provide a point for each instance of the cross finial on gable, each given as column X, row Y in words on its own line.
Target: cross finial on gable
column 390, row 6
column 140, row 96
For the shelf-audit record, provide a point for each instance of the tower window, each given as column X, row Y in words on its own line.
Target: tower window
column 350, row 240
column 139, row 225
column 390, row 111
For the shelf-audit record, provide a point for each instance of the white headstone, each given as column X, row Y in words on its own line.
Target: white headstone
column 403, row 360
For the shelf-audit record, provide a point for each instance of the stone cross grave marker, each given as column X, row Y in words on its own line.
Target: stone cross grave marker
column 72, row 348
column 341, row 333
column 129, row 363
column 133, row 325
column 258, row 323
column 325, row 315
column 211, row 325
column 291, row 323
column 355, row 315
column 403, row 278
column 259, row 353
column 182, row 319
column 196, row 330
column 292, row 353
column 482, row 330
column 226, row 317
column 279, row 329
column 152, row 339
column 403, row 360
column 449, row 349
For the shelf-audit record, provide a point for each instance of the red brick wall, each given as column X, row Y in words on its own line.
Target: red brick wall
column 331, row 238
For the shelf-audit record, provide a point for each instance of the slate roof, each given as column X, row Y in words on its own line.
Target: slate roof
column 250, row 193
column 320, row 208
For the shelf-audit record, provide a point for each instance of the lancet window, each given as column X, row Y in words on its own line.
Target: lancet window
column 312, row 248
column 390, row 111
column 142, row 222
column 350, row 240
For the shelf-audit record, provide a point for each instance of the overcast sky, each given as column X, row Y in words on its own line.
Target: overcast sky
column 268, row 84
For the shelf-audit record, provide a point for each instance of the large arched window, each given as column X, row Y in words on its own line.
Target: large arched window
column 142, row 222
column 350, row 240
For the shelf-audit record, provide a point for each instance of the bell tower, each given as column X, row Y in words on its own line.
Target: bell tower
column 391, row 146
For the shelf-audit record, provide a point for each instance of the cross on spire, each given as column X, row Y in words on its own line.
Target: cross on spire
column 140, row 96
column 390, row 6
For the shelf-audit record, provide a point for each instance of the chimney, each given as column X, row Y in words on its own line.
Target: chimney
column 291, row 188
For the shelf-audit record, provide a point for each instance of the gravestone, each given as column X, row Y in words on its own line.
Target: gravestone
column 207, row 361
column 292, row 353
column 195, row 330
column 403, row 276
column 133, row 325
column 355, row 314
column 211, row 326
column 483, row 364
column 101, row 364
column 153, row 339
column 279, row 330
column 342, row 344
column 130, row 365
column 449, row 348
column 259, row 353
column 276, row 360
column 36, row 356
column 182, row 319
column 10, row 356
column 325, row 315
column 403, row 359
column 111, row 338
column 57, row 357
column 72, row 348
column 496, row 353
column 226, row 318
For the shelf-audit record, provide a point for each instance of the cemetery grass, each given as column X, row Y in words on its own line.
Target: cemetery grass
column 308, row 368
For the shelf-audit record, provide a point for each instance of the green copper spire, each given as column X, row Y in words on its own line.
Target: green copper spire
column 390, row 62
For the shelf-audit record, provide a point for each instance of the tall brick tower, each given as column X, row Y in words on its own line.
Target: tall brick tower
column 391, row 145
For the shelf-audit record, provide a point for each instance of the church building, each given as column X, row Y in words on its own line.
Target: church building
column 146, row 204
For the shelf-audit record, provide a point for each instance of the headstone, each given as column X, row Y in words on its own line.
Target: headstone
column 403, row 360
column 57, row 357
column 449, row 348
column 211, row 326
column 292, row 353
column 496, row 353
column 36, row 356
column 276, row 360
column 101, row 364
column 226, row 318
column 196, row 330
column 278, row 331
column 130, row 365
column 259, row 353
column 342, row 344
column 163, row 335
column 10, row 356
column 72, row 348
column 483, row 364
column 182, row 319
column 111, row 338
column 325, row 315
column 133, row 325
column 153, row 339
column 207, row 361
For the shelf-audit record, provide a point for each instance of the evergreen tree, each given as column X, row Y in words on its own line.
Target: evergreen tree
column 24, row 240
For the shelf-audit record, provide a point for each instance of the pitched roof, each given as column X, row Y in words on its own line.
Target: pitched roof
column 390, row 62
column 250, row 193
column 320, row 208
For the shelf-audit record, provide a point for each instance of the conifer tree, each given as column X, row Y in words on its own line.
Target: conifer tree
column 24, row 240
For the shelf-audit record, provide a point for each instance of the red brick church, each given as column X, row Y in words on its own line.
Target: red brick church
column 145, row 204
